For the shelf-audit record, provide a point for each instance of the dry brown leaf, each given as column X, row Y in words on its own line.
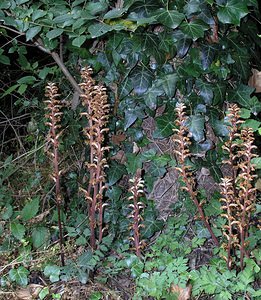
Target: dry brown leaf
column 30, row 292
column 255, row 80
column 118, row 138
column 182, row 293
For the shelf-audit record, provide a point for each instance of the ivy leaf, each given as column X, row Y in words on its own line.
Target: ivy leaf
column 151, row 97
column 207, row 56
column 232, row 12
column 194, row 29
column 182, row 43
column 165, row 125
column 205, row 91
column 241, row 95
column 52, row 34
column 40, row 236
column 168, row 83
column 32, row 32
column 169, row 18
column 30, row 209
column 115, row 173
column 18, row 230
column 19, row 275
column 141, row 79
column 219, row 90
column 196, row 124
column 254, row 124
column 134, row 162
column 53, row 272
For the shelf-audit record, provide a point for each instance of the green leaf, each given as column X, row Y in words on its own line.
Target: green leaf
column 77, row 42
column 169, row 18
column 53, row 272
column 114, row 13
column 10, row 90
column 52, row 34
column 256, row 162
column 165, row 125
column 168, row 84
column 30, row 209
column 32, row 32
column 37, row 14
column 241, row 95
column 19, row 275
column 99, row 29
column 196, row 126
column 232, row 12
column 141, row 79
column 18, row 230
column 255, row 125
column 115, row 173
column 40, row 235
column 27, row 80
column 194, row 29
column 134, row 162
column 5, row 60
column 43, row 293
column 205, row 91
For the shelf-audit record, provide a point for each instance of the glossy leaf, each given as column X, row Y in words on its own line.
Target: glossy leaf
column 169, row 18
column 194, row 29
column 141, row 79
column 115, row 173
column 32, row 32
column 196, row 124
column 232, row 12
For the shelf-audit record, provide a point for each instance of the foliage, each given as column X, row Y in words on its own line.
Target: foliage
column 150, row 55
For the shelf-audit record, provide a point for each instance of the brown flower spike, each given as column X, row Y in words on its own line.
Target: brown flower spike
column 54, row 118
column 182, row 154
column 238, row 192
column 136, row 190
column 94, row 99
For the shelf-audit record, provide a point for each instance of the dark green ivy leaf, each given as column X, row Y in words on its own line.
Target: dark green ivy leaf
column 115, row 172
column 194, row 29
column 205, row 91
column 169, row 18
column 141, row 78
column 182, row 43
column 241, row 95
column 196, row 125
column 232, row 12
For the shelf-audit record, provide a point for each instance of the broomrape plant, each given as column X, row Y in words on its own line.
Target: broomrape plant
column 182, row 154
column 239, row 194
column 94, row 99
column 54, row 118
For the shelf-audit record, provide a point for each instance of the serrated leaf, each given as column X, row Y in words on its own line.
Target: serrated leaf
column 40, row 235
column 52, row 34
column 169, row 18
column 232, row 12
column 18, row 230
column 30, row 209
column 19, row 275
column 194, row 29
column 77, row 42
column 32, row 32
column 196, row 124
